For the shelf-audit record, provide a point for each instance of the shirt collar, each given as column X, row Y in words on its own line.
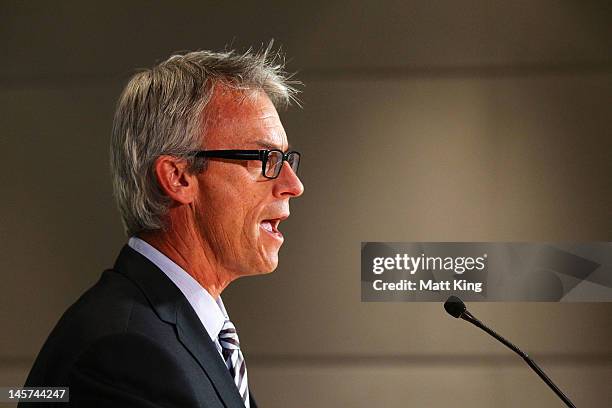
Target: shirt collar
column 211, row 312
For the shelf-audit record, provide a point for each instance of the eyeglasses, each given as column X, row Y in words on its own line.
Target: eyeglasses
column 271, row 160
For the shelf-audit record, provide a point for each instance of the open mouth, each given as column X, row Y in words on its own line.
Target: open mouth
column 271, row 226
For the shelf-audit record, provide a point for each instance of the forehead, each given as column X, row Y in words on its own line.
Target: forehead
column 242, row 119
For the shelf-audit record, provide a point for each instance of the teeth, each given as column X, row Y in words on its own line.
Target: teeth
column 267, row 226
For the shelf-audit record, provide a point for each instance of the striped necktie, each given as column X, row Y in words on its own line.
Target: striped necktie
column 230, row 348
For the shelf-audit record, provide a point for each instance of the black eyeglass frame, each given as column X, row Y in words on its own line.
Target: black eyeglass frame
column 261, row 155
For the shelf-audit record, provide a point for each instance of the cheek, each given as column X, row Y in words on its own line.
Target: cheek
column 250, row 214
column 230, row 215
column 219, row 212
column 231, row 206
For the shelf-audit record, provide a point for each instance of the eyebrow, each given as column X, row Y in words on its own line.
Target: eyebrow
column 270, row 146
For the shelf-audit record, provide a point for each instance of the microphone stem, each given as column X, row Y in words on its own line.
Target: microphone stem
column 548, row 381
column 467, row 316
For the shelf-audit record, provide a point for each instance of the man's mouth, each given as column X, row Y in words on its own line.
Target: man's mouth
column 271, row 226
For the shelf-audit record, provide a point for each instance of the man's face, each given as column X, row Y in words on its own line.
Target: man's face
column 238, row 210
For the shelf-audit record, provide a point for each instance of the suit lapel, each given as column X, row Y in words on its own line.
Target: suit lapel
column 172, row 307
column 190, row 331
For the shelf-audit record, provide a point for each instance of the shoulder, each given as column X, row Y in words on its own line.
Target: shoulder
column 106, row 309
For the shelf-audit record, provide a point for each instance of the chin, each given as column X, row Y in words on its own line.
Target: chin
column 271, row 267
column 261, row 266
column 270, row 264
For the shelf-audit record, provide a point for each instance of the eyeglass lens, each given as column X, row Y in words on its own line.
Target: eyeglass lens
column 274, row 163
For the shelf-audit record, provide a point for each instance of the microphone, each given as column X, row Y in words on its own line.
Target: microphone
column 456, row 308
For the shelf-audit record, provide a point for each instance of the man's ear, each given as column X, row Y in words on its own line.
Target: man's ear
column 175, row 180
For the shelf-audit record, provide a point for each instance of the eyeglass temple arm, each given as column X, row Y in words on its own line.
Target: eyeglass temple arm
column 232, row 154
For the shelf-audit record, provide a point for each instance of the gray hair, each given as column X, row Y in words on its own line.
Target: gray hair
column 159, row 113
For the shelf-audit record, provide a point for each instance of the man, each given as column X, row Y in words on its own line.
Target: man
column 203, row 175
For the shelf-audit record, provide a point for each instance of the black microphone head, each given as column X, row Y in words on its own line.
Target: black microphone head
column 454, row 306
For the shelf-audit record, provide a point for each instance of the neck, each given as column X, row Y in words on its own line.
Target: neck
column 187, row 250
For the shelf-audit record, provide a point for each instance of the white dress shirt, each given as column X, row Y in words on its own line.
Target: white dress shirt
column 211, row 312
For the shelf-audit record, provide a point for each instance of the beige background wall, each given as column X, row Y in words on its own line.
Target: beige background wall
column 422, row 121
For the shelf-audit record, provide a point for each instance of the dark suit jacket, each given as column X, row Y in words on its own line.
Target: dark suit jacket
column 133, row 340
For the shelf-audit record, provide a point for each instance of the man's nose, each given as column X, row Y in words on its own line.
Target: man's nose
column 288, row 184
